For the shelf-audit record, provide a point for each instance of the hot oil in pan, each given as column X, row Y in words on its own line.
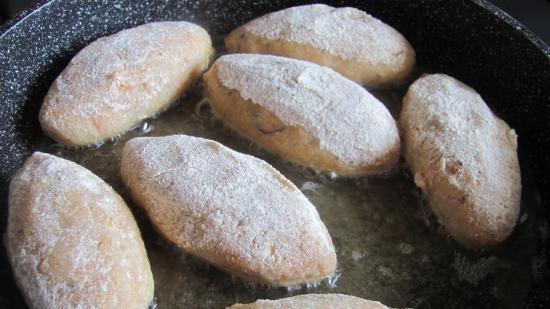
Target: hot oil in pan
column 389, row 246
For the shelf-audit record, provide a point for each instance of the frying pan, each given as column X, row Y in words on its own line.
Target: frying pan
column 469, row 39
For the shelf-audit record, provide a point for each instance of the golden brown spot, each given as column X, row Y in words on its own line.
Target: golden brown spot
column 97, row 125
column 453, row 167
column 124, row 87
column 214, row 146
column 265, row 122
column 111, row 78
column 145, row 87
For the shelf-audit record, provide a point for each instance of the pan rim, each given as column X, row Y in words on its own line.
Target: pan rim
column 517, row 26
column 485, row 6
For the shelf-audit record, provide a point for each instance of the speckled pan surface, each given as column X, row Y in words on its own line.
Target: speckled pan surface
column 470, row 40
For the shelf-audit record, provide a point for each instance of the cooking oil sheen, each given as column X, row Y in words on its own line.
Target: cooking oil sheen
column 390, row 247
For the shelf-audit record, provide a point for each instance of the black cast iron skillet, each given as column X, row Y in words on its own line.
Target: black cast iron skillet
column 470, row 40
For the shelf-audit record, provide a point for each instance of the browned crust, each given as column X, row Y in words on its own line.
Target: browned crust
column 43, row 207
column 459, row 193
column 362, row 72
column 289, row 142
column 173, row 218
column 101, row 94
